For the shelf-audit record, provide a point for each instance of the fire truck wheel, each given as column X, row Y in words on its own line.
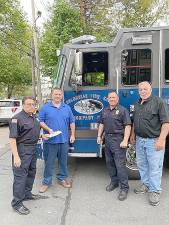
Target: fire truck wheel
column 131, row 164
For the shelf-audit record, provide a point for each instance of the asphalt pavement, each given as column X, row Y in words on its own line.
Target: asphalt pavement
column 87, row 203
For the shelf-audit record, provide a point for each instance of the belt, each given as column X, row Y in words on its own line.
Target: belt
column 25, row 144
column 113, row 134
column 146, row 137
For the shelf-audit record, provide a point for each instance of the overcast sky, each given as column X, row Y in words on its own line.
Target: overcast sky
column 40, row 5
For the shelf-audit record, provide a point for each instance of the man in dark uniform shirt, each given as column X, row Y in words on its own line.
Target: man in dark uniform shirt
column 24, row 134
column 115, row 122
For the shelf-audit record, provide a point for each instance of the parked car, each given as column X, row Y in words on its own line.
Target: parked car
column 8, row 108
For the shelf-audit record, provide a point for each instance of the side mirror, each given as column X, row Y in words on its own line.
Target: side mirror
column 58, row 52
column 79, row 80
column 78, row 63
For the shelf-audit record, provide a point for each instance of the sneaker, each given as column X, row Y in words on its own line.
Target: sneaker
column 154, row 198
column 111, row 187
column 122, row 195
column 43, row 188
column 142, row 189
column 22, row 210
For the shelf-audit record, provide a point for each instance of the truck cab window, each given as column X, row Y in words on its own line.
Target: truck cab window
column 95, row 69
column 135, row 66
column 167, row 65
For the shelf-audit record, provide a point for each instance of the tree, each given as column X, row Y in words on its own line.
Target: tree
column 103, row 18
column 15, row 70
column 65, row 24
column 95, row 16
column 139, row 13
column 15, row 65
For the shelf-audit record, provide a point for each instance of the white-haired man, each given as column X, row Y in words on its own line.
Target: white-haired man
column 151, row 126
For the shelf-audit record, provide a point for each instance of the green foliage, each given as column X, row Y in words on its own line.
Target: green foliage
column 95, row 78
column 95, row 17
column 101, row 18
column 15, row 65
column 65, row 24
column 140, row 13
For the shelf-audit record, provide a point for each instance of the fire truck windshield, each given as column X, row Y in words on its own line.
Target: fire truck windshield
column 60, row 71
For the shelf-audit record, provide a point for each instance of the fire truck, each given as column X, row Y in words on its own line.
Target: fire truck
column 88, row 70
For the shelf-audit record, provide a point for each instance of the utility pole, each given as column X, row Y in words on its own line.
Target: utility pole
column 83, row 10
column 33, row 69
column 36, row 64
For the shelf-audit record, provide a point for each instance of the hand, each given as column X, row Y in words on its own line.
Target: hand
column 132, row 139
column 72, row 139
column 17, row 161
column 45, row 136
column 123, row 144
column 99, row 140
column 50, row 131
column 160, row 144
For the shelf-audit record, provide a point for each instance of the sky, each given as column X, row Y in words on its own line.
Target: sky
column 40, row 5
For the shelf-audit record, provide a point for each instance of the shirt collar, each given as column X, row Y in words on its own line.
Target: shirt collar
column 61, row 105
column 115, row 108
column 147, row 100
column 27, row 114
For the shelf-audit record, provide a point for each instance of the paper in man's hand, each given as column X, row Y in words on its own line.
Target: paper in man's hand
column 55, row 133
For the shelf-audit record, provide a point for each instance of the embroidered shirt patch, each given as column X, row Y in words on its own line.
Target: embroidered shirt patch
column 14, row 120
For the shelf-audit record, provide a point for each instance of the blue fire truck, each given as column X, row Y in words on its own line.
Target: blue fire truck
column 88, row 70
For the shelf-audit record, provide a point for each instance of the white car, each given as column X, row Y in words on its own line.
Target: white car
column 8, row 108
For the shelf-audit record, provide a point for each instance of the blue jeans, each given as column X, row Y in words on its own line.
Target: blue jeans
column 150, row 163
column 51, row 153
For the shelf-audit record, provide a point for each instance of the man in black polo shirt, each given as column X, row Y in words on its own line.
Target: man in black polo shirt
column 115, row 122
column 24, row 134
column 151, row 126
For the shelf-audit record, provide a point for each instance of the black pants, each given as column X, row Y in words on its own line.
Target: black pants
column 24, row 175
column 116, row 161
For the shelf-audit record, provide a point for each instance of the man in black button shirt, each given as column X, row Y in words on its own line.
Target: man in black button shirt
column 24, row 134
column 115, row 122
column 151, row 126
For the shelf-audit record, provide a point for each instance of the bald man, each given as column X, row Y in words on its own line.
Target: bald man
column 150, row 128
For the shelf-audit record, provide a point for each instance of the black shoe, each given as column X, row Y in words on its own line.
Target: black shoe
column 122, row 195
column 35, row 197
column 22, row 210
column 111, row 187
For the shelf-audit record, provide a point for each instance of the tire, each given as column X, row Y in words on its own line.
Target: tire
column 131, row 164
column 166, row 156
